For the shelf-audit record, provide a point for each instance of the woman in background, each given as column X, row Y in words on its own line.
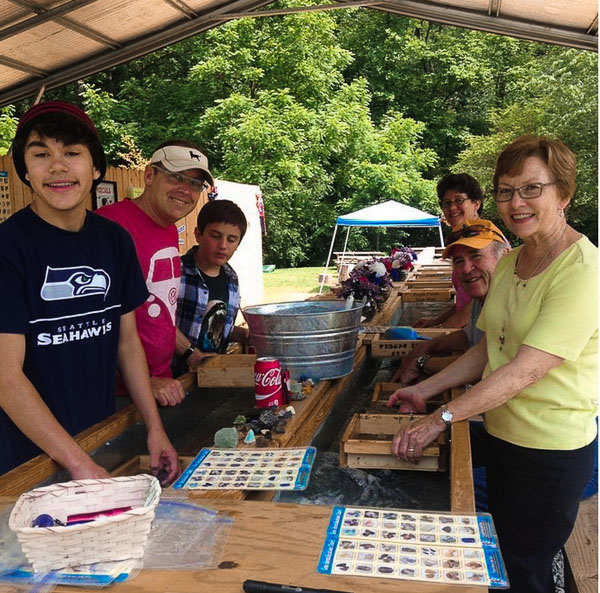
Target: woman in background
column 461, row 200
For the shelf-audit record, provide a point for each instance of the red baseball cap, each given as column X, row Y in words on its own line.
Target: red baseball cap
column 29, row 119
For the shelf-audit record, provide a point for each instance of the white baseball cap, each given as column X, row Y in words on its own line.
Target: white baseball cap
column 181, row 158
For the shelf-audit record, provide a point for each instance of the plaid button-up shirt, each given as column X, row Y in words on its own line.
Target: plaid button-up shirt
column 192, row 300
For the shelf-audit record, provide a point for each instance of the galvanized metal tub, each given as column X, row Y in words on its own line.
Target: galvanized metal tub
column 312, row 338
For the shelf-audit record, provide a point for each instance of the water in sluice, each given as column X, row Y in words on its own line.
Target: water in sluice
column 331, row 484
column 192, row 425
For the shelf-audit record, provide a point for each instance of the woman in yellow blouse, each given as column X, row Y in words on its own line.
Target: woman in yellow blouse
column 539, row 363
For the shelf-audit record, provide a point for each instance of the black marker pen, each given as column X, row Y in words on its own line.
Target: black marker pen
column 262, row 587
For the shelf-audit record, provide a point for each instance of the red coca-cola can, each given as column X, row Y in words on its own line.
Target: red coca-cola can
column 267, row 383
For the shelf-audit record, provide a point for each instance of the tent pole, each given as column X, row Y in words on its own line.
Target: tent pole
column 346, row 243
column 328, row 259
column 441, row 235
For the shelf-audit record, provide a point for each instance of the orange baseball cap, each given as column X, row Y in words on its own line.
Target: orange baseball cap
column 478, row 233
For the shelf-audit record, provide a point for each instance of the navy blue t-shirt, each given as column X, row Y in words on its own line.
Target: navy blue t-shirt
column 66, row 291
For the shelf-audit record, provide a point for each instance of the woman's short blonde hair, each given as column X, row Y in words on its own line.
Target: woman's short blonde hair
column 557, row 156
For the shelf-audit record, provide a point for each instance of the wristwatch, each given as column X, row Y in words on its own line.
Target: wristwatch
column 447, row 415
column 188, row 352
column 421, row 362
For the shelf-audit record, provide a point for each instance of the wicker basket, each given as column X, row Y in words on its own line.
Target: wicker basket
column 117, row 537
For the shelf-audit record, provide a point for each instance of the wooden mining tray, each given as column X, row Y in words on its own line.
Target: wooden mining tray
column 367, row 444
column 420, row 295
column 429, row 283
column 382, row 392
column 382, row 348
column 228, row 370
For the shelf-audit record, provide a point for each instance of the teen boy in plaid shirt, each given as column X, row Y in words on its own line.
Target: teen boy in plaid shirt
column 209, row 296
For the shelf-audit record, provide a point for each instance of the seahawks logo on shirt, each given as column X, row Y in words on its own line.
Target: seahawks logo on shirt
column 74, row 282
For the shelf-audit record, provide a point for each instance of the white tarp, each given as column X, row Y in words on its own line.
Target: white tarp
column 247, row 260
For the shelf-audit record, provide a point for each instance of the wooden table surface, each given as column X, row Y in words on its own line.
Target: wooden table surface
column 279, row 543
column 273, row 542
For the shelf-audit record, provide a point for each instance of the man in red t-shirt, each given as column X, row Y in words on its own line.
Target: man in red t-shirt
column 173, row 181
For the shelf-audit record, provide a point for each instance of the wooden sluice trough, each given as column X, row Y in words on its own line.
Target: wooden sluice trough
column 286, row 530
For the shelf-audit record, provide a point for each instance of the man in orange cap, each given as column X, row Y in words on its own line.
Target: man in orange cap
column 475, row 248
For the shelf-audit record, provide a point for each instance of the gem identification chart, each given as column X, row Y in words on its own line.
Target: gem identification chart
column 249, row 469
column 419, row 546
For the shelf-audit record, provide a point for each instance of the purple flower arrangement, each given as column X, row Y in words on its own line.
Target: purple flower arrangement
column 399, row 263
column 370, row 279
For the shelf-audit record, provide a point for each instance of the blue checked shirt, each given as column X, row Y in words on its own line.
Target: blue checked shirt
column 192, row 300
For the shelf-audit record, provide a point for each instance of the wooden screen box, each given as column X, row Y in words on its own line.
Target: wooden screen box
column 382, row 348
column 367, row 444
column 427, row 296
column 382, row 392
column 326, row 296
column 430, row 284
column 435, row 267
column 433, row 275
column 227, row 370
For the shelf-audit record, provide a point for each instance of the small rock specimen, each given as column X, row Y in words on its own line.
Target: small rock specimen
column 226, row 438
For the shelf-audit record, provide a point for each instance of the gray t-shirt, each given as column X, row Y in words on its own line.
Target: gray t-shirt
column 474, row 334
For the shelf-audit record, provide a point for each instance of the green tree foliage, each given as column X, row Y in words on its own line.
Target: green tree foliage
column 555, row 96
column 267, row 101
column 117, row 138
column 8, row 126
column 446, row 77
column 333, row 111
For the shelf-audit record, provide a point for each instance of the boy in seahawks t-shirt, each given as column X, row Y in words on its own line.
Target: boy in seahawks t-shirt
column 71, row 281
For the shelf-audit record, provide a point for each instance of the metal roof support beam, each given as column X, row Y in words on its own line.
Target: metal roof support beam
column 127, row 52
column 182, row 7
column 15, row 65
column 40, row 94
column 494, row 7
column 49, row 15
column 36, row 7
column 482, row 22
column 299, row 9
column 68, row 23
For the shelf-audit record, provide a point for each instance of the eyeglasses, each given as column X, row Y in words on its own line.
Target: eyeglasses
column 450, row 203
column 527, row 192
column 472, row 231
column 196, row 185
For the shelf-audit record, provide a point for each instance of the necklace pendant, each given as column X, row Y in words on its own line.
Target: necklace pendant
column 501, row 338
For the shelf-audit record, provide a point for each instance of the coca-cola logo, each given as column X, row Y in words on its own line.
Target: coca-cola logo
column 269, row 379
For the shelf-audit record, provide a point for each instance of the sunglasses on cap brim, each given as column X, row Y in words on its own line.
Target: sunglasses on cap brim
column 473, row 231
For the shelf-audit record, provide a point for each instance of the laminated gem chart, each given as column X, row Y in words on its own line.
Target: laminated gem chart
column 418, row 546
column 249, row 469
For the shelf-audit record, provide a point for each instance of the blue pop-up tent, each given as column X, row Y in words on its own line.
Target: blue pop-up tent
column 390, row 213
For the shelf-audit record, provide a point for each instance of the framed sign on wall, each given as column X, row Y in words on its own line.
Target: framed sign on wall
column 106, row 193
column 5, row 205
